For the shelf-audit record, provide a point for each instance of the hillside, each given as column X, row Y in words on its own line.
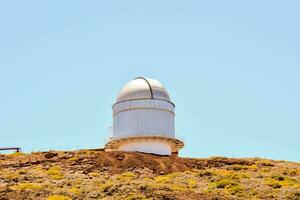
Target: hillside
column 89, row 174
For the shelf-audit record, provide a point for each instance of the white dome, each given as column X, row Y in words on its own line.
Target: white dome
column 143, row 88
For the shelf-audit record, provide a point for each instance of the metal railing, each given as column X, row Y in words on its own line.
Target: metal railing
column 17, row 149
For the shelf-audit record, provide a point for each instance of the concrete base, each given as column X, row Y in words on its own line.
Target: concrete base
column 154, row 147
column 148, row 144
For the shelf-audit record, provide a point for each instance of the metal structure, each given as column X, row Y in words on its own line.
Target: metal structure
column 17, row 149
column 144, row 119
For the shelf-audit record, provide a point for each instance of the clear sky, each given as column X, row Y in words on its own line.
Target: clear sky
column 231, row 67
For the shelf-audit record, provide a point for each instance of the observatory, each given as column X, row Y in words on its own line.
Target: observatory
column 144, row 119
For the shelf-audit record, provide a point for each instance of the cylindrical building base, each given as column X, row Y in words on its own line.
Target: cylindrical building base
column 154, row 147
column 147, row 144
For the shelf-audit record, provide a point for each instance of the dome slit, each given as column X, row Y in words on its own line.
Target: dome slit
column 151, row 92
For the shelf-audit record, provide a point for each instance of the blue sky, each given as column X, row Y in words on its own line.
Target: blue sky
column 231, row 67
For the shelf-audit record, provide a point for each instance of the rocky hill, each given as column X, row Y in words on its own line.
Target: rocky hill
column 90, row 174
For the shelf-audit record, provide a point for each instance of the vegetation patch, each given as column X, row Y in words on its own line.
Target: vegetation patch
column 273, row 183
column 225, row 183
column 75, row 191
column 16, row 154
column 106, row 175
column 58, row 197
column 27, row 186
column 55, row 173
column 126, row 176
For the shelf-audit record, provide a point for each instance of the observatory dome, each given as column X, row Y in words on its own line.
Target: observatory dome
column 143, row 88
column 144, row 119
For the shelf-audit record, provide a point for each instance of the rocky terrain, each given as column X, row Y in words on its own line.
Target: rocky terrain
column 90, row 174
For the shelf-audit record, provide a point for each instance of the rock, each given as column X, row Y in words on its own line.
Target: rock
column 15, row 180
column 161, row 173
column 120, row 157
column 50, row 154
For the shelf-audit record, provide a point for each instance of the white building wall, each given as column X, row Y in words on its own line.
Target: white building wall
column 143, row 117
column 156, row 147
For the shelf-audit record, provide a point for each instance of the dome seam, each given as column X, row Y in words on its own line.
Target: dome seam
column 151, row 92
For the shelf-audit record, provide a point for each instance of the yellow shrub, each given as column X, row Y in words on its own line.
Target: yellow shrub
column 126, row 176
column 225, row 183
column 253, row 166
column 37, row 169
column 171, row 182
column 94, row 174
column 57, row 177
column 73, row 159
column 104, row 187
column 273, row 183
column 173, row 175
column 292, row 172
column 54, row 170
column 192, row 183
column 222, row 172
column 58, row 197
column 162, row 179
column 289, row 182
column 237, row 176
column 15, row 154
column 133, row 196
column 207, row 173
column 27, row 186
column 178, row 187
column 11, row 175
column 75, row 190
column 265, row 163
column 285, row 181
column 55, row 173
column 236, row 189
column 237, row 167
